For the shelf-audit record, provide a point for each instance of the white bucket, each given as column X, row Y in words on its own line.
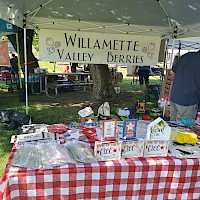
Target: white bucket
column 117, row 90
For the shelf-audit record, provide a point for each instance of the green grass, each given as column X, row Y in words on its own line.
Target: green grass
column 44, row 111
column 5, row 147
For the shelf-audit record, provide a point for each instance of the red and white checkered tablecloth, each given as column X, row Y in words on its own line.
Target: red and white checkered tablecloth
column 156, row 178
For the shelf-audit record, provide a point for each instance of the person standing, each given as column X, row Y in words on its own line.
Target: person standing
column 14, row 67
column 143, row 73
column 185, row 93
column 73, row 67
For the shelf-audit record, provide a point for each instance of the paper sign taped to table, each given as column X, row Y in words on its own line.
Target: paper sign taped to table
column 44, row 141
column 34, row 136
column 186, row 151
column 107, row 150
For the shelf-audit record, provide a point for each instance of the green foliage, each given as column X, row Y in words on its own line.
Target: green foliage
column 36, row 40
column 162, row 123
column 5, row 147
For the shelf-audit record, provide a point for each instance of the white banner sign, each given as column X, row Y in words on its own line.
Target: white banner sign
column 98, row 48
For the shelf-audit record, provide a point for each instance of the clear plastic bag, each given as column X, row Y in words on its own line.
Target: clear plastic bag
column 80, row 151
column 42, row 156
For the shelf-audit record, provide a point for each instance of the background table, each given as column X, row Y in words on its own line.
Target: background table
column 136, row 178
column 81, row 79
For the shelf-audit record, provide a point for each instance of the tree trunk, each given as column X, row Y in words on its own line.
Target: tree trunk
column 32, row 62
column 103, row 88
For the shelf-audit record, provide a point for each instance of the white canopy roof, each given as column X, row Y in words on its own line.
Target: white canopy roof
column 164, row 18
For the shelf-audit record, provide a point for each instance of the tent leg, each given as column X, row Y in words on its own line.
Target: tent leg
column 26, row 71
column 18, row 56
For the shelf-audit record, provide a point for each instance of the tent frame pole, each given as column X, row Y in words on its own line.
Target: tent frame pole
column 38, row 8
column 18, row 57
column 26, row 71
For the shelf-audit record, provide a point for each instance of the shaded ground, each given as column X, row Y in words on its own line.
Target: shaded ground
column 66, row 96
column 76, row 99
column 127, row 98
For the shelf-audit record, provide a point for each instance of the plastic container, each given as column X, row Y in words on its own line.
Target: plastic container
column 188, row 121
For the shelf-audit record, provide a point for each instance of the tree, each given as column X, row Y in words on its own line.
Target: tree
column 36, row 40
column 32, row 62
column 102, row 83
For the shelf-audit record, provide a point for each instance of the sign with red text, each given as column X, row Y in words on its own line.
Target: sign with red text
column 107, row 150
column 98, row 48
column 132, row 148
column 156, row 148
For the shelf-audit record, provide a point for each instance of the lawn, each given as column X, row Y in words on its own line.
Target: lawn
column 64, row 108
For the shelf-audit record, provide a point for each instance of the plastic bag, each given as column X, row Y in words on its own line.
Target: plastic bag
column 42, row 156
column 87, row 111
column 104, row 111
column 81, row 151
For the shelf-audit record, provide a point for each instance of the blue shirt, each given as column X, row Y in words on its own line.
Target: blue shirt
column 186, row 85
column 147, row 68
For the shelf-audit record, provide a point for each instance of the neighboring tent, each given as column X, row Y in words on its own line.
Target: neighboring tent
column 6, row 28
column 185, row 44
column 181, row 47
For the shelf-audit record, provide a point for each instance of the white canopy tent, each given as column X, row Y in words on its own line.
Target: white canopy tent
column 183, row 44
column 163, row 18
column 166, row 19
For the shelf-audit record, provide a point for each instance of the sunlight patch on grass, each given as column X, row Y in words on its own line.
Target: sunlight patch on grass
column 40, row 106
column 80, row 105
